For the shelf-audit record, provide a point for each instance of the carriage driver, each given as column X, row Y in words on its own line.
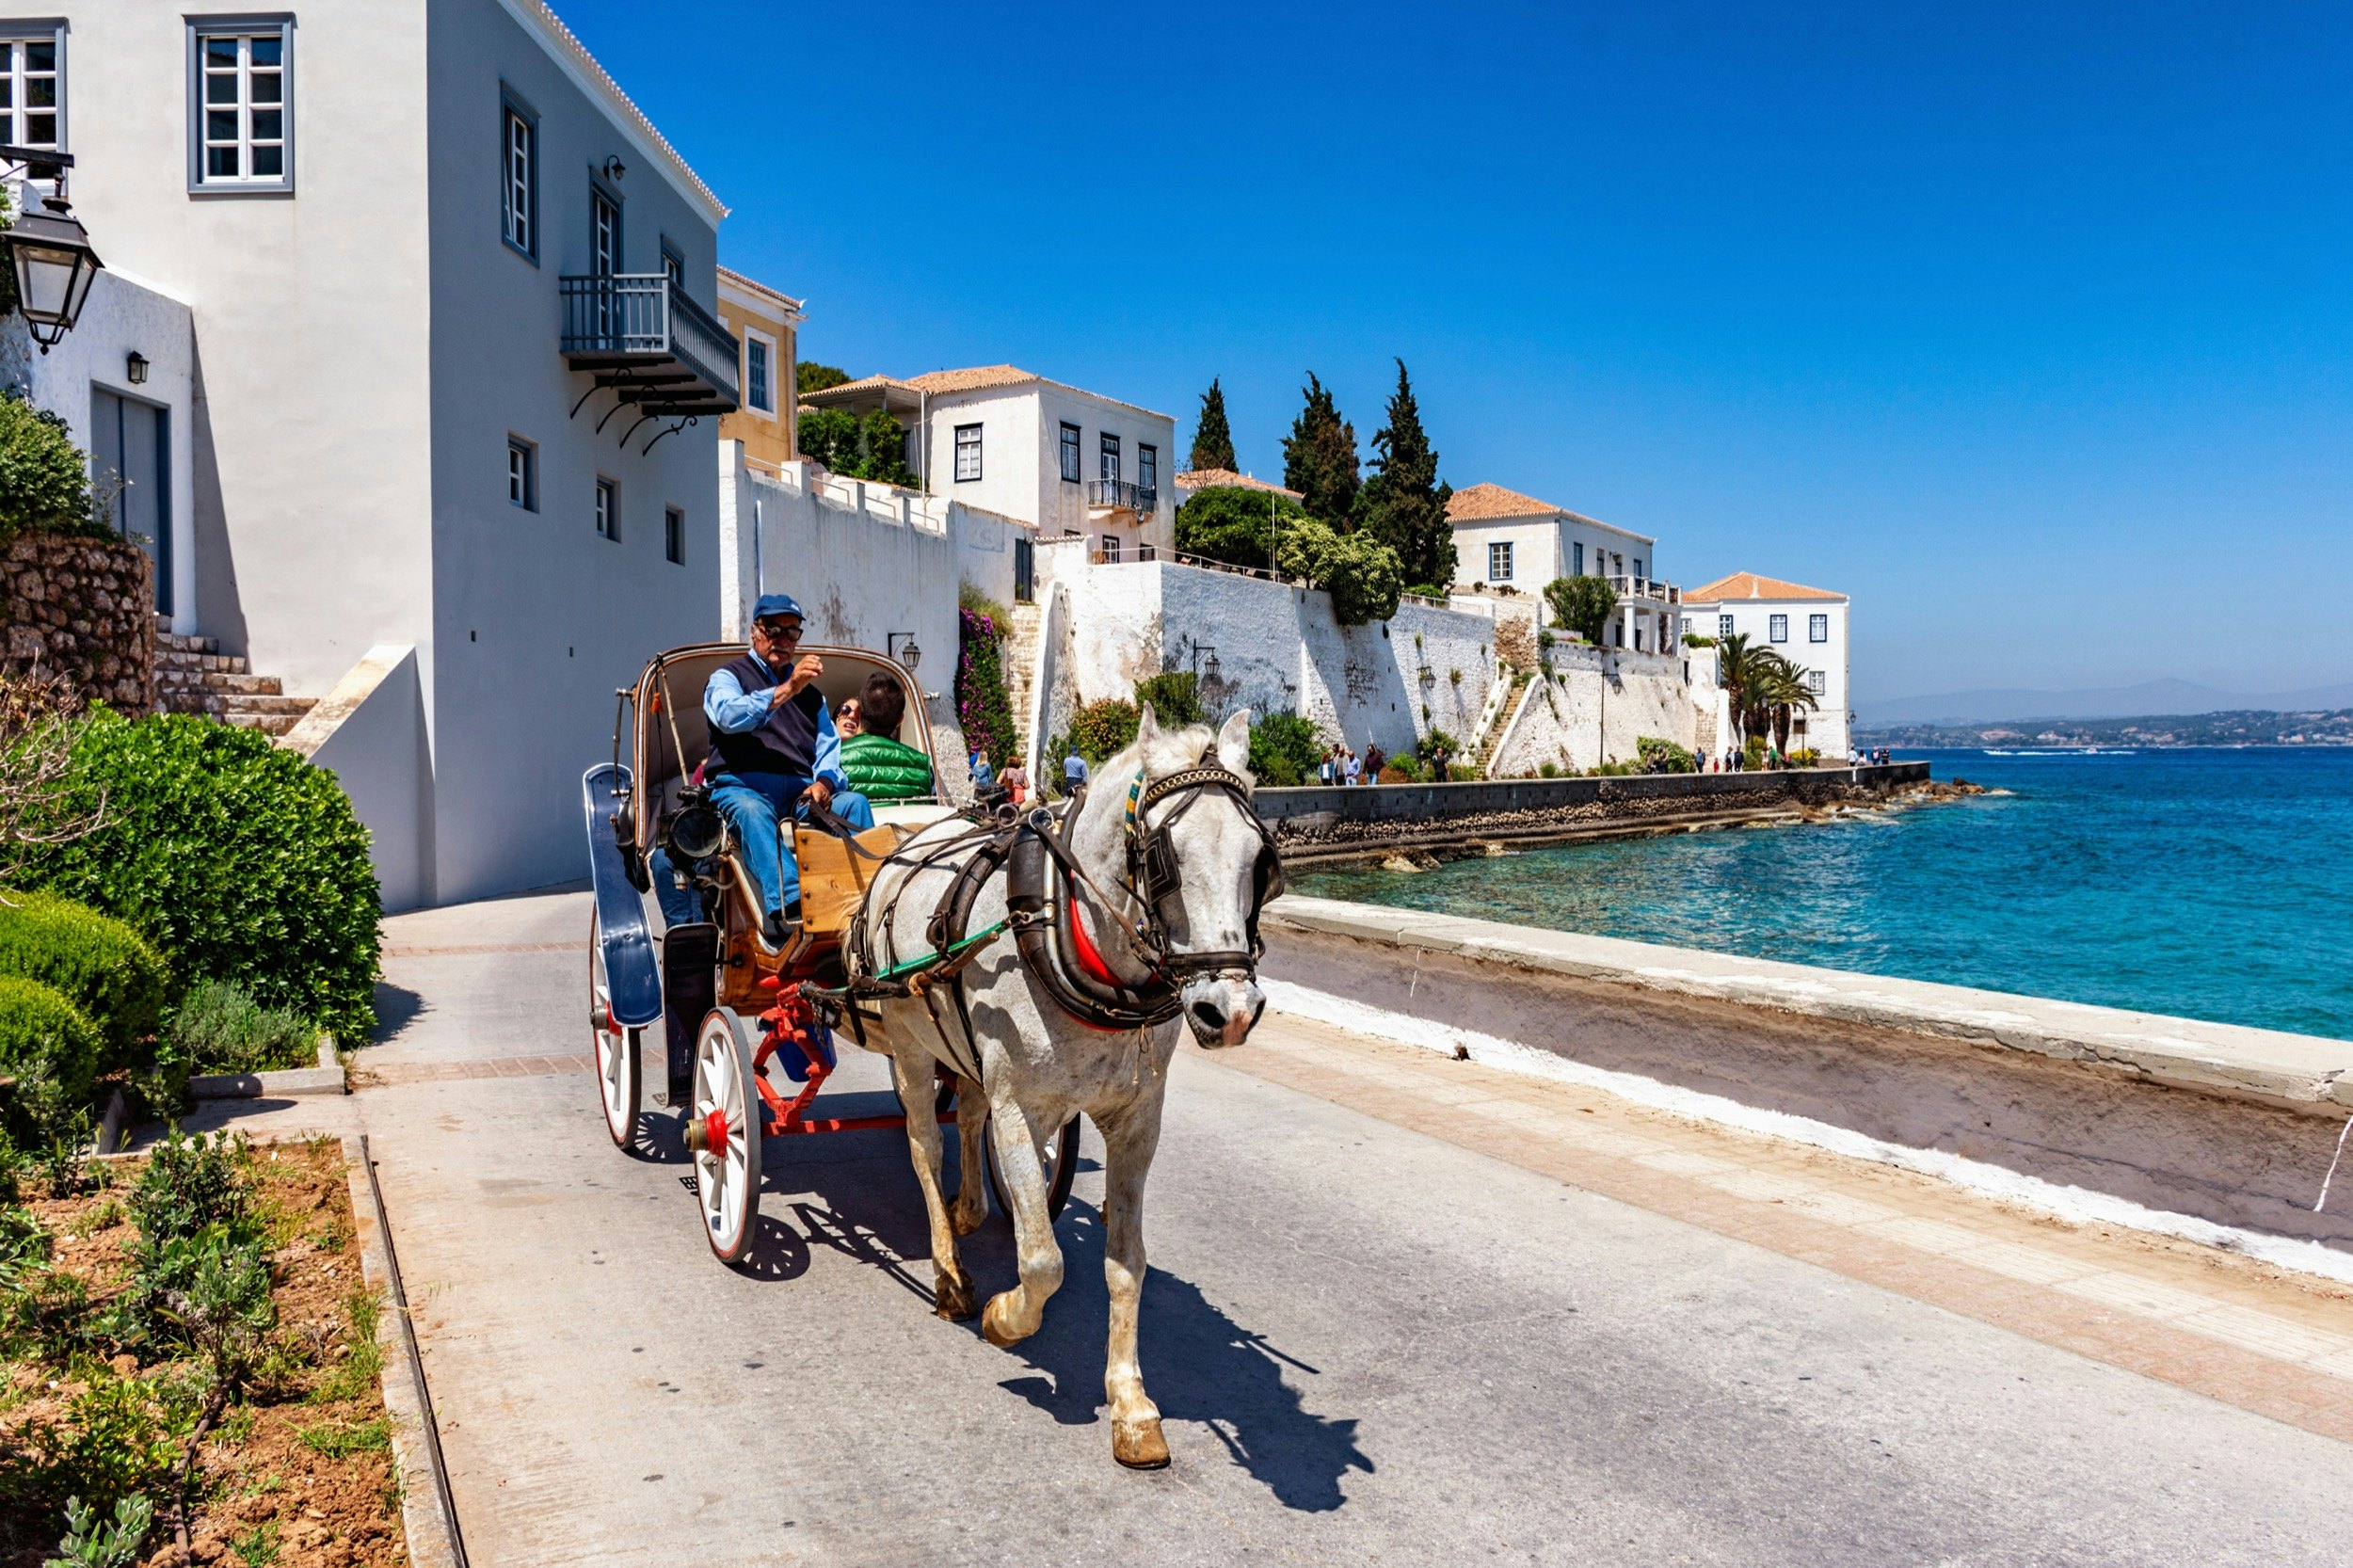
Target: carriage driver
column 774, row 748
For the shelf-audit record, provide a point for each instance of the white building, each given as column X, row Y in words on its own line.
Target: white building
column 1064, row 460
column 1806, row 626
column 1506, row 541
column 451, row 296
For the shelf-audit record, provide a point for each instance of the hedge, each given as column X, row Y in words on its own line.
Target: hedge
column 240, row 861
column 101, row 965
column 43, row 1035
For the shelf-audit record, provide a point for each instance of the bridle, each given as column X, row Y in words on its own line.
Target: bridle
column 1157, row 882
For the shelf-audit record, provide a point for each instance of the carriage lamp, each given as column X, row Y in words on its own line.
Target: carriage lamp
column 54, row 264
column 697, row 832
column 908, row 654
column 134, row 369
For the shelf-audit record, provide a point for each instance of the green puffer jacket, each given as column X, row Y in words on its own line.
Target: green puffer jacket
column 880, row 768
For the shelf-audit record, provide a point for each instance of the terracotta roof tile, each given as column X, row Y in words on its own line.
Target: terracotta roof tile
column 1749, row 584
column 1225, row 479
column 1483, row 501
column 971, row 381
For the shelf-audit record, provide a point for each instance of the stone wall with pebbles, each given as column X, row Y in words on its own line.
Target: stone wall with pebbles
column 84, row 609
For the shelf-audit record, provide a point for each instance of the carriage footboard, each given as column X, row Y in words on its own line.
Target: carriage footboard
column 633, row 980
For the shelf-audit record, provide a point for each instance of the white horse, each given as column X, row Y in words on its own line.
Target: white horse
column 1039, row 1067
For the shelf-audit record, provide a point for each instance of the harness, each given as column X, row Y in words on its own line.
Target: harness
column 1045, row 886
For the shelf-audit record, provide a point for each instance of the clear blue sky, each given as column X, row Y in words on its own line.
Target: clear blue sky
column 2030, row 327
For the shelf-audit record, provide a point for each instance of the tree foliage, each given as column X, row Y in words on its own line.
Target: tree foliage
column 1212, row 439
column 1236, row 525
column 1284, row 750
column 1358, row 570
column 808, row 377
column 1319, row 460
column 1174, row 697
column 1583, row 604
column 44, row 479
column 873, row 447
column 1100, row 729
column 1403, row 503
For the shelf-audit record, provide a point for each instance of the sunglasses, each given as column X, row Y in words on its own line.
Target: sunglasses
column 778, row 633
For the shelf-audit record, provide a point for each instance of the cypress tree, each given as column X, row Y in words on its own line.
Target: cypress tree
column 1319, row 460
column 1403, row 503
column 1212, row 437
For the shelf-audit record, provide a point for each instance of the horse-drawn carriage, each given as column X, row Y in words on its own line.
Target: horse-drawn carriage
column 1019, row 967
column 727, row 1014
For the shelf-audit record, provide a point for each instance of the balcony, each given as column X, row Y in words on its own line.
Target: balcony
column 639, row 332
column 1647, row 588
column 1118, row 495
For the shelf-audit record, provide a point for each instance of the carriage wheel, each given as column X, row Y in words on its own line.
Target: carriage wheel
column 1059, row 1164
column 615, row 1050
column 723, row 1134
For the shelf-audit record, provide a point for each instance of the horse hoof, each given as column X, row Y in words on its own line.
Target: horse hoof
column 952, row 1298
column 963, row 1220
column 1139, row 1445
column 993, row 1325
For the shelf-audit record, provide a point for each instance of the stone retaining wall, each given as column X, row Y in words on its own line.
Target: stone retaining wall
column 1317, row 824
column 84, row 609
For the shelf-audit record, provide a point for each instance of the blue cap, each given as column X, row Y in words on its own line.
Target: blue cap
column 777, row 605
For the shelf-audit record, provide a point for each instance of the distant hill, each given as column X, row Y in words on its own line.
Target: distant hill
column 2231, row 727
column 2158, row 698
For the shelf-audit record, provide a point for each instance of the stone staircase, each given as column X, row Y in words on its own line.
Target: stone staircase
column 194, row 675
column 1502, row 724
column 1021, row 638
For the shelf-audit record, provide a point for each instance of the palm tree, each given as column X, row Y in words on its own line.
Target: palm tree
column 1736, row 669
column 1781, row 690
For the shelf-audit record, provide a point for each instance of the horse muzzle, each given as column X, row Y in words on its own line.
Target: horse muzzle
column 1222, row 1006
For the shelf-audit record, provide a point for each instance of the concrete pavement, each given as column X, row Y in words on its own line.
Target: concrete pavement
column 1372, row 1343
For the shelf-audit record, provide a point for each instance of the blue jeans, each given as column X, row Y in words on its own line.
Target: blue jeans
column 753, row 816
column 680, row 905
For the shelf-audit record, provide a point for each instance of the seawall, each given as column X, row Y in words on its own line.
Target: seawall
column 1326, row 826
column 2227, row 1123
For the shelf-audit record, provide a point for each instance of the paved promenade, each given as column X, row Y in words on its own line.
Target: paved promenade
column 1403, row 1309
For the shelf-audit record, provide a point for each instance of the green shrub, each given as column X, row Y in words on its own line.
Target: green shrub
column 1583, row 604
column 44, row 1037
column 1360, row 572
column 44, row 479
column 1174, row 697
column 1660, row 755
column 1548, row 770
column 1284, row 750
column 220, row 1027
column 1100, row 729
column 1237, row 526
column 190, row 1183
column 1428, row 747
column 983, row 706
column 114, row 1442
column 99, row 964
column 236, row 858
column 1611, row 770
column 1805, row 757
column 94, row 1541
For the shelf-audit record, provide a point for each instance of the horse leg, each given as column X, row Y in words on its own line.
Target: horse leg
column 952, row 1288
column 972, row 1204
column 1129, row 1137
column 1012, row 1315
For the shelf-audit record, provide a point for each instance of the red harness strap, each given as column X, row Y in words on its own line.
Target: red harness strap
column 1089, row 959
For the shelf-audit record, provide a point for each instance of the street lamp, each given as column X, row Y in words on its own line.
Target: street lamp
column 911, row 655
column 51, row 252
column 1205, row 662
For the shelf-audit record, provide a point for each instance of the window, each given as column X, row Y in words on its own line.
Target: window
column 609, row 509
column 758, row 377
column 674, row 535
column 1108, row 464
column 1148, row 466
column 1816, row 681
column 1110, row 548
column 30, row 73
column 1498, row 563
column 1070, row 454
column 967, row 451
column 1777, row 629
column 1723, row 625
column 1617, row 565
column 674, row 266
column 520, row 147
column 523, row 473
column 1818, row 629
column 604, row 233
column 1577, row 559
column 241, row 107
column 1637, row 566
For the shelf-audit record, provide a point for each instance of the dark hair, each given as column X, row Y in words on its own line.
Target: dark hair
column 881, row 706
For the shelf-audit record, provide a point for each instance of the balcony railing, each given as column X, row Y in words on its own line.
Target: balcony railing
column 639, row 329
column 1118, row 495
column 1647, row 588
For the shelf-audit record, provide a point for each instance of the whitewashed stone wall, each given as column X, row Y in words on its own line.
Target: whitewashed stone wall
column 1595, row 705
column 1278, row 648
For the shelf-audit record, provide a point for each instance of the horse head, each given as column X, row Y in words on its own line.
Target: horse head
column 1208, row 864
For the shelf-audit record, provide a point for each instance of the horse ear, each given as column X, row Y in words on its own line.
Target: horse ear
column 1233, row 744
column 1147, row 722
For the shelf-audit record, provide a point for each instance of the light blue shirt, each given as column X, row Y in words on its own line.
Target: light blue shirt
column 728, row 706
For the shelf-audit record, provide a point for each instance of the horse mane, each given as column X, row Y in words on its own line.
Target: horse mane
column 1168, row 751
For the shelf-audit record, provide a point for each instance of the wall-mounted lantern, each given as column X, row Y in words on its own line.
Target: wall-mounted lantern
column 615, row 168
column 907, row 654
column 1205, row 665
column 134, row 369
column 50, row 252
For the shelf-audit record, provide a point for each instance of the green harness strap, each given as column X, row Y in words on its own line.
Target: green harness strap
column 915, row 965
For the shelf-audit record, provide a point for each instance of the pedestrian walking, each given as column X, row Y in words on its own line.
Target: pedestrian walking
column 983, row 776
column 1015, row 778
column 1074, row 771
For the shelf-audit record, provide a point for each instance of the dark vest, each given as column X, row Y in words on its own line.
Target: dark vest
column 782, row 745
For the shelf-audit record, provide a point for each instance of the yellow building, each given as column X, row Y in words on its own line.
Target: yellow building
column 766, row 323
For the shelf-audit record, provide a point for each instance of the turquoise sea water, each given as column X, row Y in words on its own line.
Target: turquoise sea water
column 2206, row 883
